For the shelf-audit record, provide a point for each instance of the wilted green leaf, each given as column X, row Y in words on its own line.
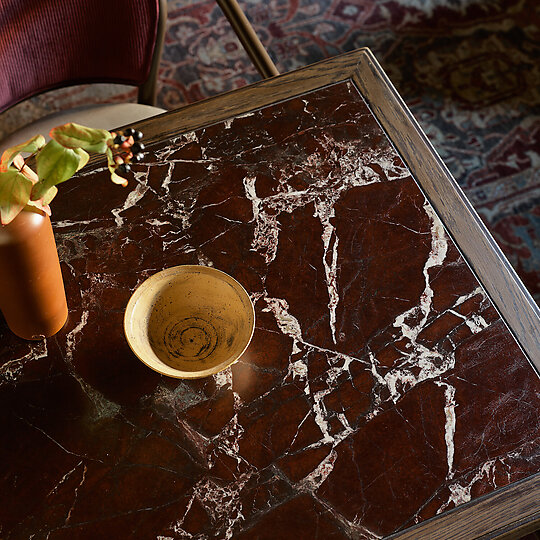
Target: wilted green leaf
column 31, row 146
column 76, row 136
column 40, row 206
column 111, row 165
column 110, row 158
column 15, row 191
column 84, row 157
column 45, row 199
column 43, row 203
column 118, row 179
column 50, row 195
column 55, row 164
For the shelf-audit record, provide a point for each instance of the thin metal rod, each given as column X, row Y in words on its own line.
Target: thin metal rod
column 249, row 39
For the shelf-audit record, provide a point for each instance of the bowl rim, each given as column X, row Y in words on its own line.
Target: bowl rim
column 168, row 273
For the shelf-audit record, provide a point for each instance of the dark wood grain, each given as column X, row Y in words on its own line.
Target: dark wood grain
column 507, row 514
column 252, row 97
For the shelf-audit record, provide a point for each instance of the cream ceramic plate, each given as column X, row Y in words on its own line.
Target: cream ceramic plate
column 189, row 321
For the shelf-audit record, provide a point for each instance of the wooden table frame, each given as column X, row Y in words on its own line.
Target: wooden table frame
column 509, row 512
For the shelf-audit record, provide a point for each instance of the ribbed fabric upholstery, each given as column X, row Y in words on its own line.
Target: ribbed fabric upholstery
column 46, row 44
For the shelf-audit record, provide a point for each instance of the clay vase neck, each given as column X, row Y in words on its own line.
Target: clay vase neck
column 32, row 296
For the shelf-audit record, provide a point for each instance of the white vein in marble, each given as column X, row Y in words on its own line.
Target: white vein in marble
column 316, row 478
column 222, row 503
column 12, row 369
column 133, row 197
column 450, row 423
column 460, row 494
column 103, row 407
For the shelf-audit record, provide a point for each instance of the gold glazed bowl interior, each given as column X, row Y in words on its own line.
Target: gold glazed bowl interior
column 189, row 321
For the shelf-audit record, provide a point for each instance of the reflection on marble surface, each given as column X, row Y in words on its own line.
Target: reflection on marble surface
column 380, row 389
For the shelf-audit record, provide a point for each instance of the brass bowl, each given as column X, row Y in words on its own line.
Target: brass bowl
column 189, row 321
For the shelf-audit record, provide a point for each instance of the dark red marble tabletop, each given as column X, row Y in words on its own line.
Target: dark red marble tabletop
column 381, row 387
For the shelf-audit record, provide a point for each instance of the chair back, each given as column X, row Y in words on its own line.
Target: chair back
column 47, row 44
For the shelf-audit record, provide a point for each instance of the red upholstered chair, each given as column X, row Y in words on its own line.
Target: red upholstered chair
column 48, row 44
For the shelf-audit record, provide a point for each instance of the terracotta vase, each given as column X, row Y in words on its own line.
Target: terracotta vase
column 32, row 295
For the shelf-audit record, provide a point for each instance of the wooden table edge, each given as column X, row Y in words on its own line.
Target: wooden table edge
column 252, row 97
column 507, row 513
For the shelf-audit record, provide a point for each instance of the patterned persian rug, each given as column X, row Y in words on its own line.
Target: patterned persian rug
column 468, row 69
